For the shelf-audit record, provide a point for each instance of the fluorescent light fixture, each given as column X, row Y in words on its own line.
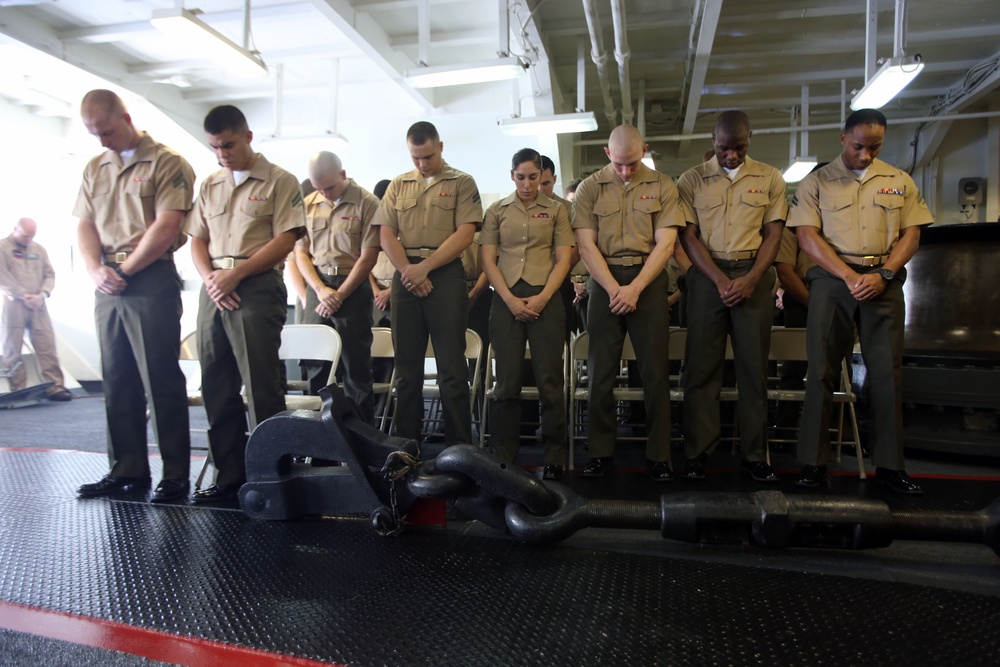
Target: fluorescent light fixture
column 565, row 123
column 500, row 69
column 647, row 160
column 328, row 141
column 894, row 75
column 191, row 33
column 799, row 168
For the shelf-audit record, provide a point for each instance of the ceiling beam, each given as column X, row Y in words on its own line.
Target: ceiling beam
column 362, row 30
column 931, row 139
column 121, row 31
column 456, row 38
column 17, row 25
column 702, row 53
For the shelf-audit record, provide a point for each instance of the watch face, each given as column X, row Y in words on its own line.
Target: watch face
column 887, row 274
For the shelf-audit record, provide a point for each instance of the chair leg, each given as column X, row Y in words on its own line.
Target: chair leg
column 857, row 441
column 204, row 469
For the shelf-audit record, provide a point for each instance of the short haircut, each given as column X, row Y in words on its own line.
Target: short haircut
column 865, row 117
column 381, row 187
column 225, row 117
column 421, row 132
column 102, row 100
column 547, row 163
column 526, row 155
column 573, row 185
column 307, row 187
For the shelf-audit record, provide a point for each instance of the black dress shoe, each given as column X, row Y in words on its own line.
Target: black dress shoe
column 109, row 484
column 598, row 467
column 898, row 481
column 661, row 472
column 170, row 489
column 216, row 492
column 811, row 476
column 760, row 471
column 553, row 472
column 61, row 396
column 695, row 468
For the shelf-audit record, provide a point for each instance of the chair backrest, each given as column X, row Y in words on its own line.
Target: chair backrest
column 311, row 341
column 473, row 346
column 382, row 343
column 189, row 347
column 788, row 344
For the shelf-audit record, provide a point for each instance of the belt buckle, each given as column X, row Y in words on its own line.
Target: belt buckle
column 869, row 260
column 227, row 262
column 628, row 261
column 120, row 257
column 425, row 253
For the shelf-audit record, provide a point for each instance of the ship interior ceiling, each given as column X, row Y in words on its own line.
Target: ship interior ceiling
column 868, row 578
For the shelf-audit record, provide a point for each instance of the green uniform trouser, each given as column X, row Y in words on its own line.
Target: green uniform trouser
column 545, row 336
column 353, row 321
column 441, row 315
column 833, row 313
column 139, row 332
column 649, row 329
column 18, row 318
column 709, row 320
column 240, row 348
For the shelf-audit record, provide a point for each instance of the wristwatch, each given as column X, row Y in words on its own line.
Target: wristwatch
column 124, row 276
column 887, row 274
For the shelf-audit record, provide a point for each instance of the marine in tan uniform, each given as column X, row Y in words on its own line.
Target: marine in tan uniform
column 26, row 280
column 526, row 251
column 735, row 209
column 131, row 206
column 245, row 221
column 336, row 258
column 859, row 219
column 427, row 218
column 626, row 218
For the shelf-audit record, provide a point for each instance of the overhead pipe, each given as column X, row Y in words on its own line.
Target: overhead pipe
column 817, row 128
column 600, row 57
column 622, row 55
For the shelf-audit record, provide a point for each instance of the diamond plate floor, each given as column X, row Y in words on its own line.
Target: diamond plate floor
column 334, row 591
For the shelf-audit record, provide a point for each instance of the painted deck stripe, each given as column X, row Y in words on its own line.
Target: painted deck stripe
column 144, row 642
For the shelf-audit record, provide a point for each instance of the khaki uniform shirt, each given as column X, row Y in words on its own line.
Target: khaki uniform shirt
column 423, row 214
column 789, row 253
column 239, row 221
column 337, row 233
column 730, row 214
column 24, row 269
column 122, row 198
column 383, row 270
column 526, row 236
column 626, row 217
column 472, row 265
column 859, row 217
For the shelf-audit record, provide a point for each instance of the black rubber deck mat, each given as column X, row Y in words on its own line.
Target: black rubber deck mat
column 333, row 590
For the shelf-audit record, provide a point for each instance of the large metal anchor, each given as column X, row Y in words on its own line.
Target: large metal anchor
column 383, row 477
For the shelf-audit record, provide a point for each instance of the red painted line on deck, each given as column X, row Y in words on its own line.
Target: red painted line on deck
column 144, row 642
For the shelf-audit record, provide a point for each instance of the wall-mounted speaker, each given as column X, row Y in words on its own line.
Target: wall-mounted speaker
column 971, row 191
